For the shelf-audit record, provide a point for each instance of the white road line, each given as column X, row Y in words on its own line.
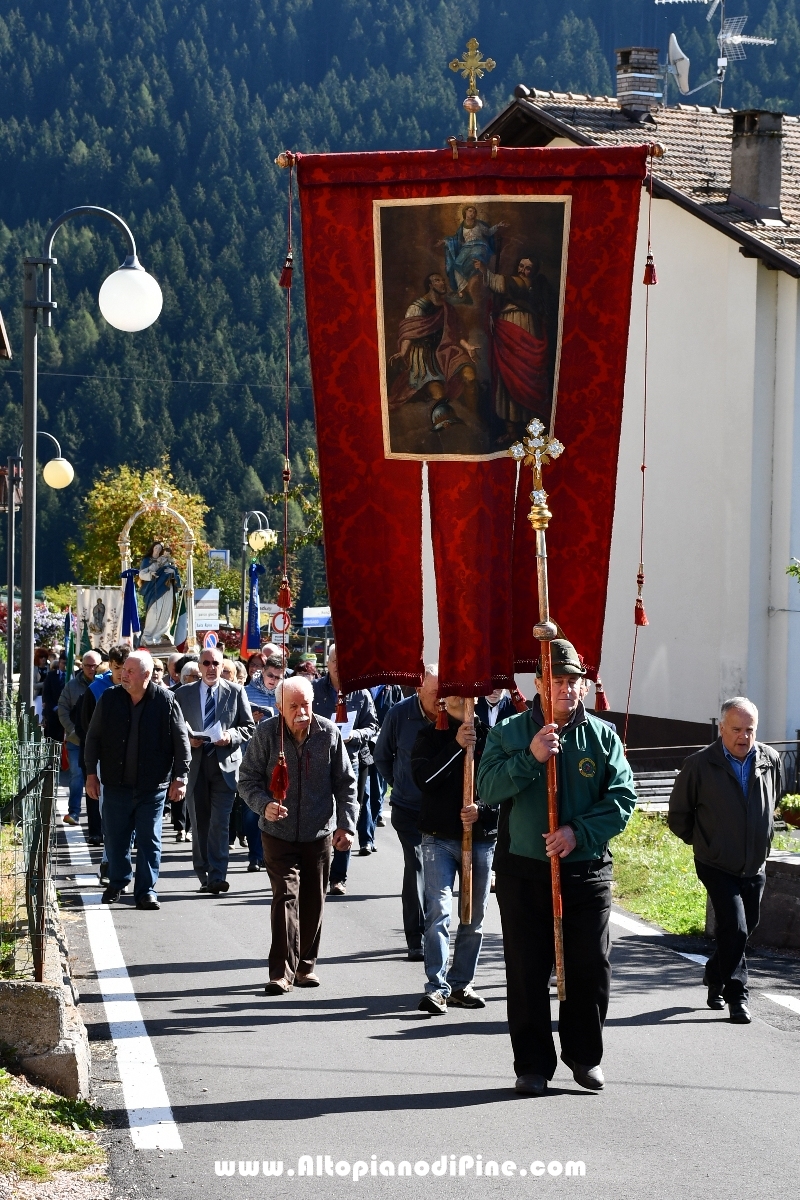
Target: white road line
column 638, row 927
column 786, row 1001
column 149, row 1111
column 634, row 926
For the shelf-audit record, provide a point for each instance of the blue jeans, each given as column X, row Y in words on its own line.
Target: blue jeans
column 126, row 811
column 404, row 821
column 441, row 863
column 252, row 833
column 340, row 861
column 75, row 781
column 377, row 791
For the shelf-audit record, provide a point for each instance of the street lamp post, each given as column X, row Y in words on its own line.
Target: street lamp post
column 130, row 300
column 257, row 539
column 58, row 473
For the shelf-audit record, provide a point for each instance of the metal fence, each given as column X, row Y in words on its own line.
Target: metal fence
column 29, row 765
column 672, row 758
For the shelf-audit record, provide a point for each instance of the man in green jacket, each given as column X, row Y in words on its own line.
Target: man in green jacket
column 595, row 800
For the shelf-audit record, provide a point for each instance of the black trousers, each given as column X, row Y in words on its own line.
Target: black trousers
column 737, row 906
column 526, row 912
column 405, row 826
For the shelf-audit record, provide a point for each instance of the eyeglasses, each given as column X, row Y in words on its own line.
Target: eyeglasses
column 208, row 662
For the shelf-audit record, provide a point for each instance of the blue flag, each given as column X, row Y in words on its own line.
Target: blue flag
column 130, row 613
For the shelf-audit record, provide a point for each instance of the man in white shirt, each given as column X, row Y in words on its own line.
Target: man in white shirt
column 220, row 723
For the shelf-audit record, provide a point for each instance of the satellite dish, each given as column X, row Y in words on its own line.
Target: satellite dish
column 679, row 65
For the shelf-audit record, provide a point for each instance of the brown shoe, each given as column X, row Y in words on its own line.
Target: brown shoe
column 278, row 987
column 309, row 980
column 338, row 889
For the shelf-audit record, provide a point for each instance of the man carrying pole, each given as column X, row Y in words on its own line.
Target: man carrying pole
column 569, row 790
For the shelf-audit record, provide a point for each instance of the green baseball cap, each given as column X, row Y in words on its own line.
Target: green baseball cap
column 564, row 658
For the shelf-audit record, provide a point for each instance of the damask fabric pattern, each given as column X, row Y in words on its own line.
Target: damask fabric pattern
column 484, row 557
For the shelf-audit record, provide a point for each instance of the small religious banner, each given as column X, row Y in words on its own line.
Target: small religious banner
column 99, row 614
column 452, row 301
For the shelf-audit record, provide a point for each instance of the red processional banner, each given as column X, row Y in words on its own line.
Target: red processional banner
column 449, row 302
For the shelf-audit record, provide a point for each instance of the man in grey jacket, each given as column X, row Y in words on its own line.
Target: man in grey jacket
column 220, row 723
column 722, row 805
column 319, row 813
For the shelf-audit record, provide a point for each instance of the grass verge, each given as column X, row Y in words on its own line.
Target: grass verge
column 654, row 875
column 41, row 1132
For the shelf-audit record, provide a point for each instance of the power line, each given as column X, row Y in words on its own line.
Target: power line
column 149, row 379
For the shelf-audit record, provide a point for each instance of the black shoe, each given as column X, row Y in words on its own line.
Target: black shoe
column 111, row 895
column 466, row 997
column 216, row 888
column 416, row 955
column 94, row 841
column 433, row 1003
column 148, row 900
column 380, row 823
column 364, row 852
column 204, row 888
column 739, row 1013
column 531, row 1085
column 102, row 874
column 588, row 1077
column 715, row 999
column 254, row 866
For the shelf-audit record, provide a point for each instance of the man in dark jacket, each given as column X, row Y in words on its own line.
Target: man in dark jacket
column 138, row 738
column 393, row 759
column 595, row 800
column 722, row 805
column 71, row 694
column 52, row 688
column 437, row 761
column 319, row 813
column 360, row 734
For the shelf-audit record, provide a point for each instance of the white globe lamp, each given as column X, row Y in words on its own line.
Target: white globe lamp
column 130, row 299
column 260, row 539
column 58, row 473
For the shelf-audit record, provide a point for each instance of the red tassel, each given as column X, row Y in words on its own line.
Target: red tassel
column 279, row 783
column 341, row 708
column 286, row 273
column 600, row 698
column 64, row 756
column 650, row 277
column 520, row 703
column 441, row 717
column 639, row 615
column 284, row 595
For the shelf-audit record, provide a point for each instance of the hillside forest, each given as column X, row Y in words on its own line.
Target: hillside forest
column 171, row 112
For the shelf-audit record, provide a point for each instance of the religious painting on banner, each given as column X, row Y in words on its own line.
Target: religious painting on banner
column 470, row 298
column 450, row 302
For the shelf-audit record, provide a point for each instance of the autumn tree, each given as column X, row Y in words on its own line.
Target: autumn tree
column 111, row 501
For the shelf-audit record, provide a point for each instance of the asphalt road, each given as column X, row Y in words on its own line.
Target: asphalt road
column 693, row 1106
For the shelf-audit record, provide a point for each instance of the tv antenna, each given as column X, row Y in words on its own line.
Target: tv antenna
column 731, row 42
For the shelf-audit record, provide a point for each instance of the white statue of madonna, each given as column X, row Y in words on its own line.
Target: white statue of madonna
column 160, row 583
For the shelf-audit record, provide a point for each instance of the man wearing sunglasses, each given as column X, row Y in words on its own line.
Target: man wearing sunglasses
column 220, row 724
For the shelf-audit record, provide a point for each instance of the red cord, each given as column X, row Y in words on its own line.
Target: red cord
column 644, row 452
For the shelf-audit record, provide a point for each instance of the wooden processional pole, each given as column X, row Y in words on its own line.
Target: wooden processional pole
column 466, row 836
column 537, row 450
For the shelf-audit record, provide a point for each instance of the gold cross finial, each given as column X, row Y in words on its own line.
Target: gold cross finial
column 537, row 450
column 472, row 66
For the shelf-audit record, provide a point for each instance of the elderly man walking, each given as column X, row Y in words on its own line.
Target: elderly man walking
column 722, row 805
column 68, row 701
column 137, row 736
column 318, row 814
column 220, row 724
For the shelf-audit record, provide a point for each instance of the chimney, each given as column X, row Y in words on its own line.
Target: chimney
column 639, row 80
column 756, row 164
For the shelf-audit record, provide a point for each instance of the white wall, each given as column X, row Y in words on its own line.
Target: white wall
column 720, row 515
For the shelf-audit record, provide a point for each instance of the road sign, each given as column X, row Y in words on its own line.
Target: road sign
column 206, row 609
column 210, row 640
column 281, row 622
column 316, row 618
